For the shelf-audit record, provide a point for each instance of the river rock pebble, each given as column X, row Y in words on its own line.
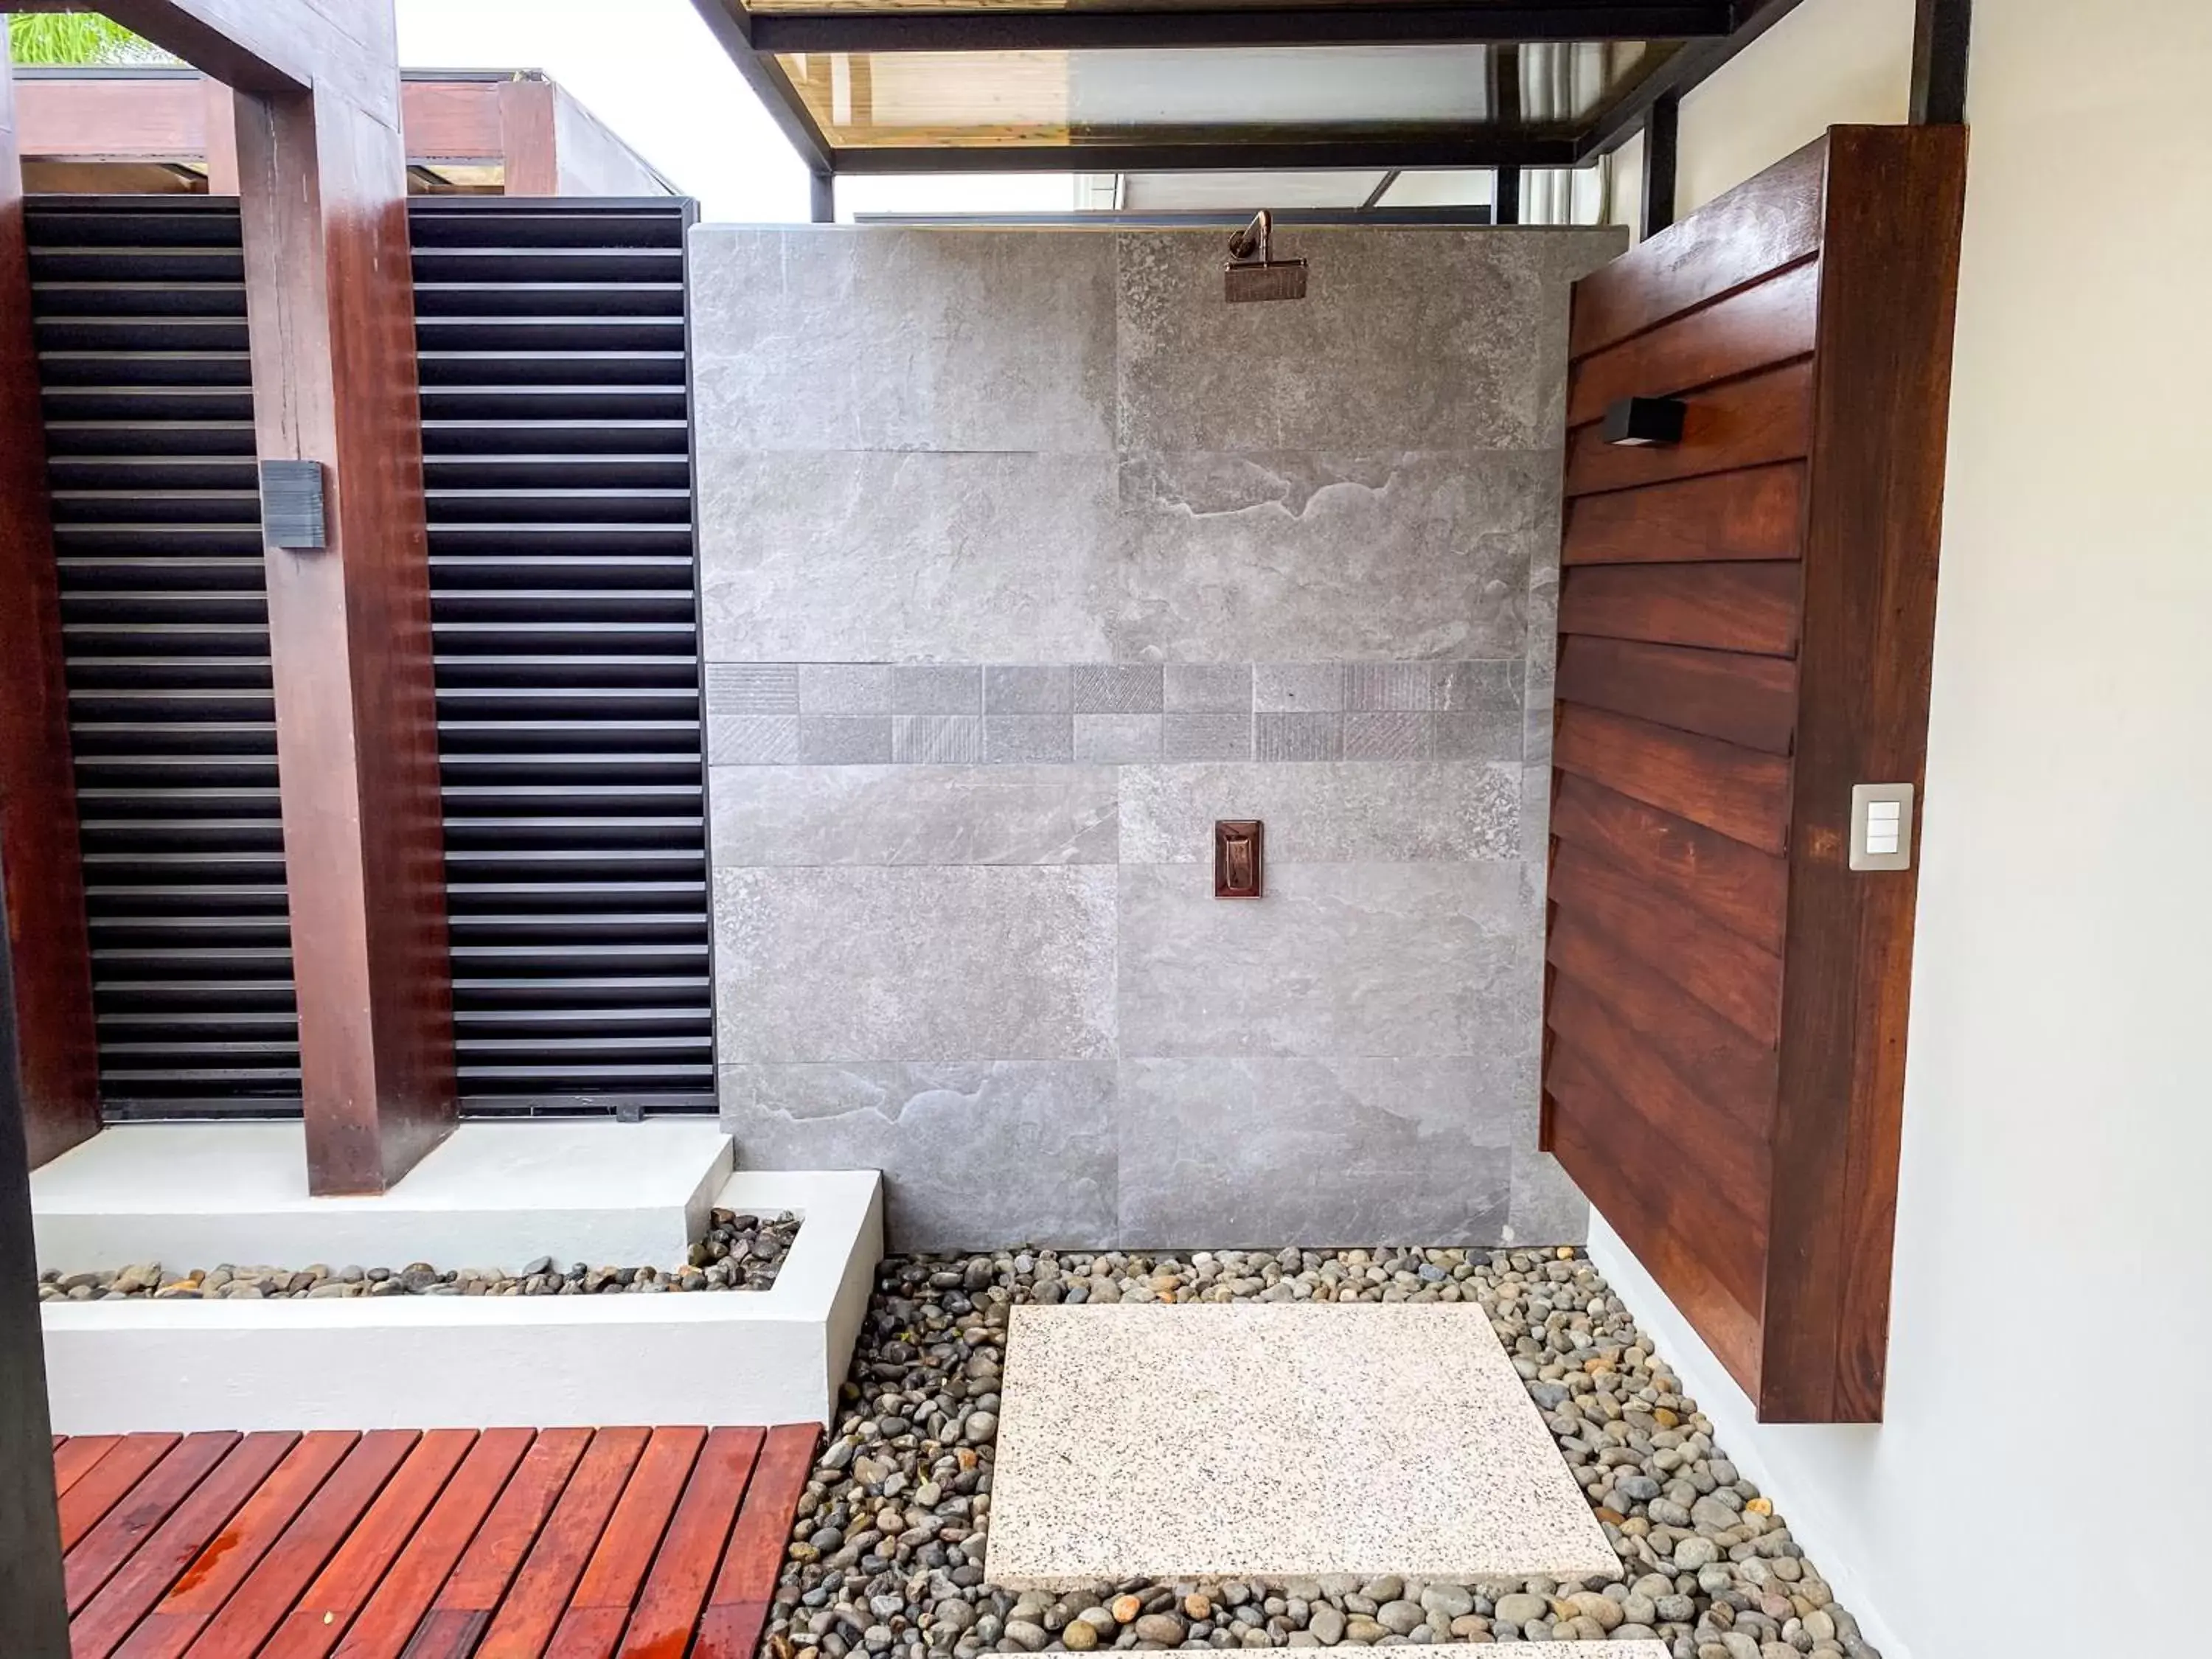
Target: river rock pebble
column 886, row 1554
column 739, row 1252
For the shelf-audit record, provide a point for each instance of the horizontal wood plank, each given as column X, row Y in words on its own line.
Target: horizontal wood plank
column 1765, row 223
column 1755, row 421
column 1741, row 793
column 1770, row 322
column 1730, row 975
column 1736, row 1073
column 1757, row 512
column 1738, row 698
column 1673, row 1108
column 1751, row 608
column 1699, row 1265
column 1744, row 890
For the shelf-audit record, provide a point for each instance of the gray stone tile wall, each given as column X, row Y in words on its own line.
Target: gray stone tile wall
column 1026, row 559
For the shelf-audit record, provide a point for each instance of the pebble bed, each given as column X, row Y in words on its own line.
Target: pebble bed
column 739, row 1252
column 886, row 1554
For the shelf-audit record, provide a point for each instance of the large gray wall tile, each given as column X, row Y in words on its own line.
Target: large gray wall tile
column 1318, row 1152
column 978, row 1154
column 849, row 556
column 1413, row 812
column 1407, row 339
column 913, row 815
column 999, row 962
column 1288, row 557
column 1410, row 961
column 898, row 338
column 1547, row 1207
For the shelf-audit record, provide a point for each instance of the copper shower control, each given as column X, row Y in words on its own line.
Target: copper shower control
column 1239, row 858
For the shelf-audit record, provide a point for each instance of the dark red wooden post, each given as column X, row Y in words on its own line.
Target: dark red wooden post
column 57, row 1071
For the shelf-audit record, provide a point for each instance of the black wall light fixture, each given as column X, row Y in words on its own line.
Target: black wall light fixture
column 1644, row 421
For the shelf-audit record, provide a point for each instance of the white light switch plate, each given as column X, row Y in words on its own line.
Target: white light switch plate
column 1882, row 826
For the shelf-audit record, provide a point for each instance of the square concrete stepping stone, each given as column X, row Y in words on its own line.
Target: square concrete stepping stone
column 1275, row 1440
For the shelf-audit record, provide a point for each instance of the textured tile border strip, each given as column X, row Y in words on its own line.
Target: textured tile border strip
column 857, row 714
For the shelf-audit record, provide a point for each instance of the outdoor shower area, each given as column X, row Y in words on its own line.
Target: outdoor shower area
column 1027, row 557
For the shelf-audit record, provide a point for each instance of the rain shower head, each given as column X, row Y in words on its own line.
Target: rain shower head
column 1246, row 278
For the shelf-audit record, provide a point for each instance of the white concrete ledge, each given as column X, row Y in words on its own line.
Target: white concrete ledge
column 764, row 1357
column 493, row 1196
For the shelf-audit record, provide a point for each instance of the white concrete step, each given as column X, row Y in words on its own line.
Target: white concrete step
column 492, row 1195
column 1275, row 1441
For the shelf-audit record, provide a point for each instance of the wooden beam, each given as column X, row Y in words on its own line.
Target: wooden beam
column 221, row 144
column 331, row 307
column 1889, row 265
column 51, row 998
column 33, row 1604
column 526, row 136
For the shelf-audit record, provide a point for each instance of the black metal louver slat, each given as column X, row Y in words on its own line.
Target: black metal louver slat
column 556, row 458
column 139, row 305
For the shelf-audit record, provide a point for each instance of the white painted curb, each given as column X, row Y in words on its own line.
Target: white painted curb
column 708, row 1357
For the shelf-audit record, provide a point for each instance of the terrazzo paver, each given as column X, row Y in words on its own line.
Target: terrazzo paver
column 1275, row 1441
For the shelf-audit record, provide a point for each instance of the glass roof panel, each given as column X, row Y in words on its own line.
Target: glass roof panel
column 1213, row 95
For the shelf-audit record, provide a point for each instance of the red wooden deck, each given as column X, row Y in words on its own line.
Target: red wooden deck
column 503, row 1544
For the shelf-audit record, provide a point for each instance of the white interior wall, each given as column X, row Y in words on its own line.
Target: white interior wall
column 2050, row 1334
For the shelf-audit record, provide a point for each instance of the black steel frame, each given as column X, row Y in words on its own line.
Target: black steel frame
column 1711, row 32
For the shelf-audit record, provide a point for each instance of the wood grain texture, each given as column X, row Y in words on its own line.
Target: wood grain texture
column 1741, row 793
column 1745, row 890
column 1732, row 976
column 532, row 1607
column 1765, row 223
column 462, row 1611
column 1735, row 1072
column 107, row 1482
column 526, row 137
column 1755, row 513
column 738, row 1608
column 132, row 1592
column 77, row 1456
column 1600, row 1141
column 93, row 1559
column 1745, row 699
column 1895, row 201
column 1730, row 1165
column 384, row 1626
column 1769, row 323
column 329, row 296
column 56, row 1062
column 1755, row 421
column 319, row 1619
column 668, row 1608
column 258, row 1604
column 592, row 1626
column 1717, row 607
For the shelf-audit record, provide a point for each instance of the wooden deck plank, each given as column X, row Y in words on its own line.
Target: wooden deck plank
column 107, row 1482
column 389, row 1619
column 327, row 1609
column 146, row 1577
column 684, row 1571
column 738, row 1607
column 458, row 1617
column 75, row 1456
column 531, row 1609
column 217, row 1573
column 259, row 1604
column 592, row 1626
column 96, row 1557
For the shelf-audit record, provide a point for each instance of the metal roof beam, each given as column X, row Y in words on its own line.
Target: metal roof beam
column 1087, row 30
column 1457, row 148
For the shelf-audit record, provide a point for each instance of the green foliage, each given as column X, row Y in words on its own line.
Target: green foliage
column 75, row 38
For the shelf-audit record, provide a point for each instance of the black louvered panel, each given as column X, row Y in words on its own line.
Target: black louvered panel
column 557, row 440
column 140, row 307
